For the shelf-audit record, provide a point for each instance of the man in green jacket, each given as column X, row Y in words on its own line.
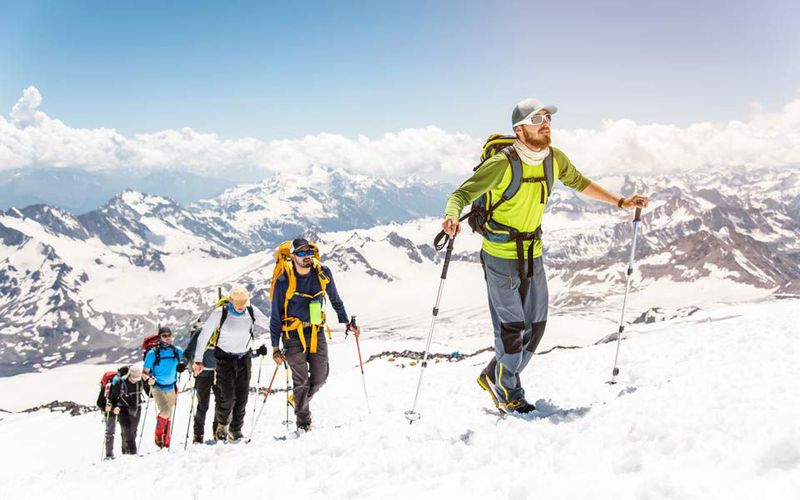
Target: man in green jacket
column 512, row 248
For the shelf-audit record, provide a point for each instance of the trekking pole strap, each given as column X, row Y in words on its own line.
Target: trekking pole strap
column 438, row 244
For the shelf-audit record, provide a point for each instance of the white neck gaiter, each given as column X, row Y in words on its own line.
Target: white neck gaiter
column 528, row 155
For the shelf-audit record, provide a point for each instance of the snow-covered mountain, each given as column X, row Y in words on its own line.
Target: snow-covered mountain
column 77, row 288
column 321, row 201
column 87, row 287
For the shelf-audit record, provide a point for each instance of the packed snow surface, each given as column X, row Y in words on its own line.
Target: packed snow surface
column 703, row 409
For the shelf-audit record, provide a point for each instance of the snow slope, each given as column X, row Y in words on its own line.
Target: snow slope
column 704, row 409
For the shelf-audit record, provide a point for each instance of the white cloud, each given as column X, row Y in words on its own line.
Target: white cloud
column 28, row 137
column 766, row 139
column 25, row 111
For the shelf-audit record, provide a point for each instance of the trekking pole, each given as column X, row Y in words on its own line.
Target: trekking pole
column 105, row 426
column 191, row 410
column 361, row 364
column 174, row 412
column 637, row 219
column 263, row 404
column 144, row 419
column 286, row 367
column 258, row 383
column 412, row 415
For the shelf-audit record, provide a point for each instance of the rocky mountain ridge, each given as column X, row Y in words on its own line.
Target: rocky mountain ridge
column 86, row 287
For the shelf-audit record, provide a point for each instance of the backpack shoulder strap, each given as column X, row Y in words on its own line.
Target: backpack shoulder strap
column 251, row 313
column 252, row 321
column 222, row 318
column 322, row 276
column 516, row 177
column 548, row 172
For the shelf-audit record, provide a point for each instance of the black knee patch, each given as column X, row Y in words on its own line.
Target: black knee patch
column 511, row 335
column 537, row 334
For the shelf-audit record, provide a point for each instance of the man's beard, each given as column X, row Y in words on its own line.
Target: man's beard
column 536, row 144
column 304, row 262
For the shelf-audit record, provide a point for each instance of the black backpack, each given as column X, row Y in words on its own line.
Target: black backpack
column 106, row 381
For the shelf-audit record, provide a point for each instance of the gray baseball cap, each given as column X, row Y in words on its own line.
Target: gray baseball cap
column 528, row 107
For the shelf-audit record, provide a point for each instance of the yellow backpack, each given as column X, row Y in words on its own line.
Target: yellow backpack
column 284, row 267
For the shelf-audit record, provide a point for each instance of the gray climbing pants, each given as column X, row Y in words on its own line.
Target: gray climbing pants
column 518, row 307
column 309, row 372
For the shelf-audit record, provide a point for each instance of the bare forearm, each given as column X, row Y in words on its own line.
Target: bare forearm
column 597, row 192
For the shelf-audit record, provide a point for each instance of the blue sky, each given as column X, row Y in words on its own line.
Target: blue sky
column 275, row 70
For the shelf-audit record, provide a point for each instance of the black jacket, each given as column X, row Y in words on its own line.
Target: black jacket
column 126, row 394
column 209, row 361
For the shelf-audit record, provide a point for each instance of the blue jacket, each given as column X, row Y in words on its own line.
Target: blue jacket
column 298, row 306
column 166, row 371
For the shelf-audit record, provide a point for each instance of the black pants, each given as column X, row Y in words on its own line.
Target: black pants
column 233, row 388
column 128, row 419
column 309, row 372
column 204, row 384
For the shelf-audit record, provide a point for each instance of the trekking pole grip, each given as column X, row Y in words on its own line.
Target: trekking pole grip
column 638, row 215
column 447, row 257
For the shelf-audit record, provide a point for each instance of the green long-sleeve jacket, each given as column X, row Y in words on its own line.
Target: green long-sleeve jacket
column 525, row 210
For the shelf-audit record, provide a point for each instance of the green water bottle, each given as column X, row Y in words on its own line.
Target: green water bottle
column 315, row 312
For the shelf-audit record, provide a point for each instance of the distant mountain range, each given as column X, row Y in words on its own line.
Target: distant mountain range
column 87, row 287
column 78, row 191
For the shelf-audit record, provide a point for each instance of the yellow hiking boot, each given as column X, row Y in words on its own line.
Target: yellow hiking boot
column 487, row 385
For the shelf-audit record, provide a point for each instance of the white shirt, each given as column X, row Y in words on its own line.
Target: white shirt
column 235, row 335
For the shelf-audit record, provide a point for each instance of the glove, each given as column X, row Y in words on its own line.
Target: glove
column 181, row 367
column 277, row 356
column 351, row 327
column 262, row 351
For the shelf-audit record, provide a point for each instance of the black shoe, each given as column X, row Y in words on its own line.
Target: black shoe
column 518, row 406
column 234, row 436
column 304, row 427
column 198, row 438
